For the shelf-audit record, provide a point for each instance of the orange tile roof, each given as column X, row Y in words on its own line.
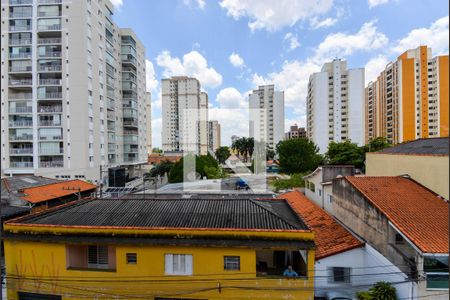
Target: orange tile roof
column 330, row 237
column 416, row 211
column 55, row 190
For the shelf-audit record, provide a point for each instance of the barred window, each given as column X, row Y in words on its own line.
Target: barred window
column 231, row 262
column 131, row 258
column 98, row 256
column 339, row 275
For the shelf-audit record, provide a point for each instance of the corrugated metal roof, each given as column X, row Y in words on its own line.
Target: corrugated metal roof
column 430, row 146
column 175, row 213
column 8, row 211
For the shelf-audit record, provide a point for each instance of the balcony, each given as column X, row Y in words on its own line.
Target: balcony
column 21, row 164
column 50, row 1
column 51, row 164
column 20, row 69
column 50, row 137
column 20, row 96
column 45, row 14
column 20, row 28
column 23, row 55
column 52, row 27
column 50, row 109
column 18, row 151
column 129, row 149
column 21, row 123
column 20, row 2
column 23, row 137
column 48, row 41
column 128, row 59
column 131, row 139
column 50, row 68
column 20, row 82
column 50, row 54
column 50, row 81
column 130, row 122
column 20, row 109
column 18, row 42
column 54, row 95
column 51, row 151
column 50, row 123
column 21, row 15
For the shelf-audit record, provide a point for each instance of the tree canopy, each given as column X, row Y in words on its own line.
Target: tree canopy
column 161, row 168
column 222, row 154
column 205, row 166
column 298, row 156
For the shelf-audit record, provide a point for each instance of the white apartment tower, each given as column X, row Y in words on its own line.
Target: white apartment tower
column 149, row 122
column 73, row 90
column 185, row 116
column 335, row 105
column 267, row 115
column 213, row 135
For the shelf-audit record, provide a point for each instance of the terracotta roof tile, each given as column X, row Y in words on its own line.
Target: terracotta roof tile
column 416, row 211
column 55, row 190
column 330, row 237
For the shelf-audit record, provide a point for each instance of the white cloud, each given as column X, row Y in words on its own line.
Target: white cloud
column 193, row 64
column 265, row 14
column 117, row 3
column 342, row 44
column 236, row 60
column 292, row 79
column 150, row 77
column 156, row 132
column 315, row 23
column 231, row 98
column 291, row 40
column 232, row 122
column 436, row 37
column 373, row 3
column 195, row 3
column 374, row 67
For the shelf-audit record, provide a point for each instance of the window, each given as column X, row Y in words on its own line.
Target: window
column 399, row 239
column 339, row 275
column 312, row 187
column 98, row 257
column 330, row 198
column 320, row 193
column 131, row 258
column 436, row 269
column 178, row 264
column 231, row 262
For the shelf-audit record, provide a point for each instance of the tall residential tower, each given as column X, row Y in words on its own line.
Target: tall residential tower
column 184, row 115
column 335, row 105
column 73, row 90
column 267, row 115
column 409, row 100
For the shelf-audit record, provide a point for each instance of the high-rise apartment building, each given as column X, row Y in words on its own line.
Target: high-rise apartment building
column 184, row 116
column 335, row 105
column 409, row 100
column 73, row 90
column 295, row 132
column 213, row 135
column 149, row 122
column 267, row 115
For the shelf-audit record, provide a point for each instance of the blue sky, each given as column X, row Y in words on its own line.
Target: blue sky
column 231, row 46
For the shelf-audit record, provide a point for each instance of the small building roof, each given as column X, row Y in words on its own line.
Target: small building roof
column 56, row 190
column 429, row 146
column 8, row 211
column 330, row 237
column 421, row 215
column 11, row 187
column 173, row 213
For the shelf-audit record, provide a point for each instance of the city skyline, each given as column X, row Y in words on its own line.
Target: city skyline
column 243, row 49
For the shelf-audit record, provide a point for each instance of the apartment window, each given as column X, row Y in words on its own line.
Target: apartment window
column 339, row 275
column 131, row 258
column 178, row 264
column 232, row 263
column 98, row 257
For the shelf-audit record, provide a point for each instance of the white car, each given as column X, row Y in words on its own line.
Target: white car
column 338, row 295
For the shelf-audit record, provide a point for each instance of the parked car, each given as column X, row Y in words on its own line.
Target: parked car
column 338, row 295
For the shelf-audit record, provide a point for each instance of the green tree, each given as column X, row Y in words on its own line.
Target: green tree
column 376, row 144
column 157, row 150
column 244, row 147
column 382, row 290
column 203, row 165
column 270, row 154
column 222, row 154
column 161, row 168
column 295, row 181
column 345, row 153
column 298, row 156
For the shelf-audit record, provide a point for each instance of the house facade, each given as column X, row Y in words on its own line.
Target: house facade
column 160, row 249
column 402, row 220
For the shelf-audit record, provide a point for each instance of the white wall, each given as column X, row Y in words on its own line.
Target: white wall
column 367, row 267
column 356, row 122
column 320, row 111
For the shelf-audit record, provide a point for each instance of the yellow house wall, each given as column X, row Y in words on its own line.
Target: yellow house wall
column 430, row 171
column 26, row 261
